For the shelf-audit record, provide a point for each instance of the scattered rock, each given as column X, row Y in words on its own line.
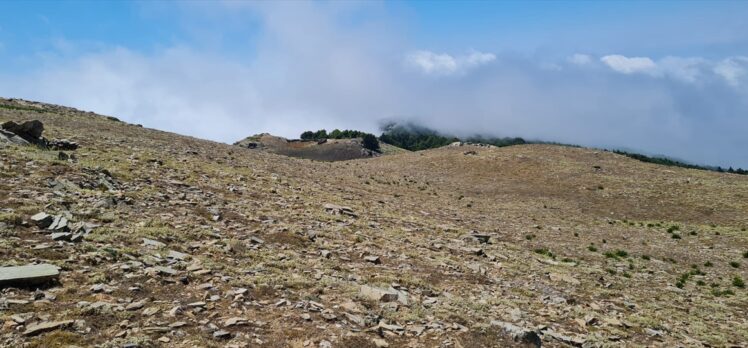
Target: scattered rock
column 136, row 305
column 569, row 340
column 222, row 334
column 28, row 275
column 475, row 251
column 165, row 270
column 96, row 288
column 653, row 332
column 61, row 236
column 42, row 220
column 384, row 295
column 150, row 311
column 339, row 210
column 373, row 259
column 60, row 223
column 175, row 311
column 175, row 255
column 33, row 330
column 518, row 334
column 153, row 243
column 479, row 237
column 236, row 321
column 62, row 144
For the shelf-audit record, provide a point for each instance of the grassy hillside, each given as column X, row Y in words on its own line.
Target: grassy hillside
column 208, row 244
column 415, row 138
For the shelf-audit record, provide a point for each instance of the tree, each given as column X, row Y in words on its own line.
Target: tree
column 320, row 134
column 308, row 135
column 370, row 142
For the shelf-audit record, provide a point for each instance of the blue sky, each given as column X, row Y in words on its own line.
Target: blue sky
column 666, row 77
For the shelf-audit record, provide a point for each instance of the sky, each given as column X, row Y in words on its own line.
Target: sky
column 660, row 78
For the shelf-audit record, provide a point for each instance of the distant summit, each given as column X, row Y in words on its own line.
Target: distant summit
column 319, row 149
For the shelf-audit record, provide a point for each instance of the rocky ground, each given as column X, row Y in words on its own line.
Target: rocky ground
column 167, row 240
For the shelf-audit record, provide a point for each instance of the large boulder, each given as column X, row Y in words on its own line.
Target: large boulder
column 30, row 131
column 10, row 137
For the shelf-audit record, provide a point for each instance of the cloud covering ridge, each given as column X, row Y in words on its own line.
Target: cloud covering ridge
column 335, row 65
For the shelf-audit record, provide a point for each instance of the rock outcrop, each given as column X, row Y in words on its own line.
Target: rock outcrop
column 30, row 132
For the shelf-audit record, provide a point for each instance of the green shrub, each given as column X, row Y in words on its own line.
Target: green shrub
column 738, row 282
column 546, row 252
column 618, row 253
column 718, row 293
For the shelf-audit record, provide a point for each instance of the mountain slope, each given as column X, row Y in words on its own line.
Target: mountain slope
column 208, row 244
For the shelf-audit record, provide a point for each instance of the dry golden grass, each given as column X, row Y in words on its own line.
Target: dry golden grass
column 569, row 241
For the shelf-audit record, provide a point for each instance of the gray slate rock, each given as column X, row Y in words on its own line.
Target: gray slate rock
column 28, row 275
column 222, row 334
column 384, row 295
column 33, row 330
column 60, row 223
column 61, row 236
column 42, row 220
column 9, row 137
column 518, row 334
column 153, row 243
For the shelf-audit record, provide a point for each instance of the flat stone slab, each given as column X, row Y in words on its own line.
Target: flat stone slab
column 33, row 330
column 384, row 295
column 28, row 275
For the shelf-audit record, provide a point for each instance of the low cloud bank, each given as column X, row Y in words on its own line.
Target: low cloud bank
column 313, row 69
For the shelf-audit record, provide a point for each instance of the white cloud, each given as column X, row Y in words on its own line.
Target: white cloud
column 684, row 69
column 629, row 65
column 580, row 59
column 695, row 70
column 732, row 69
column 431, row 63
column 310, row 68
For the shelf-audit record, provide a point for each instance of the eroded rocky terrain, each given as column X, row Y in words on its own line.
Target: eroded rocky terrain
column 167, row 240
